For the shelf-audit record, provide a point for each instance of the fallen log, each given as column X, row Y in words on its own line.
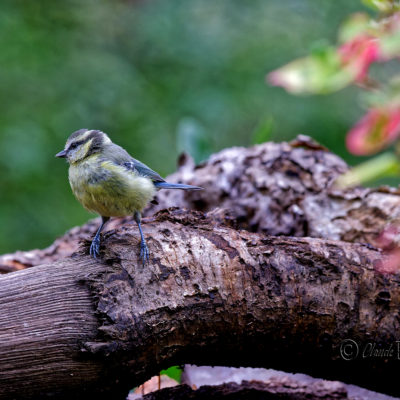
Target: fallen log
column 210, row 295
column 279, row 189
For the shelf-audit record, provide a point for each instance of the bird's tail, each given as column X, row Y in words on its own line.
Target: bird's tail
column 166, row 185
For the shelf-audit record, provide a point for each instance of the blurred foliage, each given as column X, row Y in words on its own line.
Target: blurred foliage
column 364, row 41
column 159, row 77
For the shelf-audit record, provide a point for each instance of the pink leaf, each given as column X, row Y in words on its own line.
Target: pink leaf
column 377, row 129
column 358, row 54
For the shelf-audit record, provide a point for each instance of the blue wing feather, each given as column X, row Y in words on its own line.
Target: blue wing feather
column 119, row 156
column 143, row 170
column 166, row 185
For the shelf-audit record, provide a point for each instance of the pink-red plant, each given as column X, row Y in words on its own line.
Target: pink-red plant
column 362, row 42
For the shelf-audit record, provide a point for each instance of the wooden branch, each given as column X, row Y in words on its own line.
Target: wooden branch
column 273, row 188
column 210, row 295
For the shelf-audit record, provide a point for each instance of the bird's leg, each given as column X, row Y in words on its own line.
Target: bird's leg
column 144, row 250
column 95, row 246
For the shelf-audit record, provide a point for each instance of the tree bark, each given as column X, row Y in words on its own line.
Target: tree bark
column 285, row 189
column 274, row 188
column 213, row 293
column 210, row 295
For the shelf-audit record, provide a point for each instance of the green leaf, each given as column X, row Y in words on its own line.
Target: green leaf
column 384, row 165
column 173, row 372
column 319, row 73
column 357, row 24
column 383, row 6
column 390, row 44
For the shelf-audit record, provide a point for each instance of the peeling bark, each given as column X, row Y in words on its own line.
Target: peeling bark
column 210, row 295
column 285, row 189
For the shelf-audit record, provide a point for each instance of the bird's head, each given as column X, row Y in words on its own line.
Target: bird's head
column 82, row 144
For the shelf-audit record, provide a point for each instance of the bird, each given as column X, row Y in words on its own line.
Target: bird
column 108, row 181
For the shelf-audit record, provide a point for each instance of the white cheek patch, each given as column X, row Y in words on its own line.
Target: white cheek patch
column 106, row 139
column 85, row 135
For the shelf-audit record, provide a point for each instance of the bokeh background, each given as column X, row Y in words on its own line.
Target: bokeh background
column 159, row 77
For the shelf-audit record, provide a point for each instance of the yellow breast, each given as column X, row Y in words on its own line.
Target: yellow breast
column 108, row 189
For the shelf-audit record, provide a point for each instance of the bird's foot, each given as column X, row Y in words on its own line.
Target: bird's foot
column 95, row 248
column 144, row 252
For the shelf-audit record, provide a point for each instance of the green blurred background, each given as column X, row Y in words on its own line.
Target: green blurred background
column 159, row 77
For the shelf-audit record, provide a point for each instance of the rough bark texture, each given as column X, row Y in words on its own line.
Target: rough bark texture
column 273, row 188
column 210, row 295
column 286, row 189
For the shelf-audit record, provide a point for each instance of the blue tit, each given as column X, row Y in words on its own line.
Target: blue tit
column 106, row 180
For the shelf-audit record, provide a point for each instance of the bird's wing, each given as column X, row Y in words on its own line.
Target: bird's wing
column 143, row 170
column 121, row 157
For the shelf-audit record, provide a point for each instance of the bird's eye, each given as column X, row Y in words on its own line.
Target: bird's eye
column 74, row 145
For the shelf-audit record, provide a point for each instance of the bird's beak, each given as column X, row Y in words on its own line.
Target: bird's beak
column 62, row 154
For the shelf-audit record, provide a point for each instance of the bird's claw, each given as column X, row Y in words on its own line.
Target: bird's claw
column 144, row 252
column 95, row 248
